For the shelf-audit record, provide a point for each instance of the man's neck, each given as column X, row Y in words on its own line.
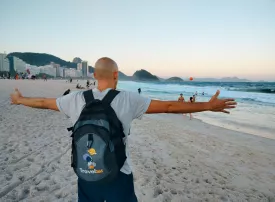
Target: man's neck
column 104, row 85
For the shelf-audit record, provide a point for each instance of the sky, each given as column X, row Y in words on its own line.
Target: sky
column 213, row 38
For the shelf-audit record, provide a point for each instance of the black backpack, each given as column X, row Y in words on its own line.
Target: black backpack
column 98, row 150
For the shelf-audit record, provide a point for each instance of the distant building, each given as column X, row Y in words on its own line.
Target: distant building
column 57, row 67
column 71, row 72
column 48, row 69
column 79, row 66
column 19, row 65
column 84, row 68
column 4, row 63
column 34, row 70
column 61, row 71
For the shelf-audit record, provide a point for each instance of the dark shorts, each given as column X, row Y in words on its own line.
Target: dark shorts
column 120, row 190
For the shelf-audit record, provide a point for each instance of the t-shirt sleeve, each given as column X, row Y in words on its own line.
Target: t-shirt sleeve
column 67, row 104
column 139, row 105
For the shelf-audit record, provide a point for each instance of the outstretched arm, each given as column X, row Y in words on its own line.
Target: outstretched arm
column 41, row 103
column 215, row 104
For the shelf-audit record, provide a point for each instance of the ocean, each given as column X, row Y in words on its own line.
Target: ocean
column 255, row 113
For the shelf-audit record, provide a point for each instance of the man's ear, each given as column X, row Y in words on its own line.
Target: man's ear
column 95, row 75
column 116, row 75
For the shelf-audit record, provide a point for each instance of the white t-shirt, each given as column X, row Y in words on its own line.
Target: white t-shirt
column 127, row 106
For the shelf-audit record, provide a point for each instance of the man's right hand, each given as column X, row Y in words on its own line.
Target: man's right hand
column 220, row 105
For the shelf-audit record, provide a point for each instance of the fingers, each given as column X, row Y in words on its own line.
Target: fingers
column 229, row 107
column 230, row 103
column 217, row 94
column 229, row 99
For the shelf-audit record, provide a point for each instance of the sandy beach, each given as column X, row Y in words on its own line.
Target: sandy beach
column 173, row 159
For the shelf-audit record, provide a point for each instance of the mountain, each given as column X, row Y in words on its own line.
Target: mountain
column 144, row 75
column 41, row 59
column 161, row 79
column 225, row 79
column 77, row 60
column 233, row 79
column 123, row 76
column 174, row 79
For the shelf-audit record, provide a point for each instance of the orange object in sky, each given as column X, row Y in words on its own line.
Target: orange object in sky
column 191, row 78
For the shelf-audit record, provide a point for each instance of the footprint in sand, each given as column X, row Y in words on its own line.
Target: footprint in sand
column 157, row 191
column 146, row 181
column 21, row 178
column 23, row 193
column 30, row 159
column 8, row 176
column 173, row 191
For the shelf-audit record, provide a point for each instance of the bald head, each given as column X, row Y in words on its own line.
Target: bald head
column 106, row 70
column 106, row 66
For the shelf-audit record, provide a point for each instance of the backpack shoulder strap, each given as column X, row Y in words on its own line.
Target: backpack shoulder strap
column 88, row 96
column 110, row 96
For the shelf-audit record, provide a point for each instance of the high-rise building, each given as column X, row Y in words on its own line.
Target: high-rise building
column 48, row 69
column 34, row 70
column 84, row 68
column 71, row 72
column 61, row 71
column 57, row 67
column 79, row 66
column 4, row 63
column 19, row 65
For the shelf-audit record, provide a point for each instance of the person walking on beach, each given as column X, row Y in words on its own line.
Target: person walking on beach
column 95, row 182
column 139, row 91
column 192, row 100
column 88, row 84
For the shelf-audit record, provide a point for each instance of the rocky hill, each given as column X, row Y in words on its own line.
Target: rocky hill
column 143, row 75
column 174, row 79
column 41, row 59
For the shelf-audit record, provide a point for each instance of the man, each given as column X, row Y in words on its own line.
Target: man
column 139, row 91
column 181, row 98
column 127, row 106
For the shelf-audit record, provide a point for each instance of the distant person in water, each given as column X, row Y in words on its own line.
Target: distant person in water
column 181, row 98
column 139, row 90
column 202, row 93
